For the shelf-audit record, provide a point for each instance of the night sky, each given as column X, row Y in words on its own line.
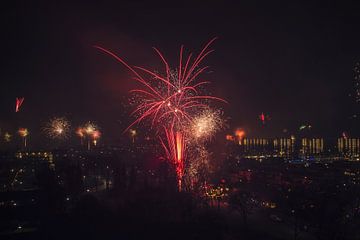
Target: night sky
column 292, row 61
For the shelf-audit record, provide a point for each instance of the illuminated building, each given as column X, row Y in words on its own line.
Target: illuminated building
column 36, row 157
column 312, row 146
column 255, row 145
column 349, row 146
column 284, row 146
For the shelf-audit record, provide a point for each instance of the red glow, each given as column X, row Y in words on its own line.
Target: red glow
column 230, row 137
column 240, row 134
column 170, row 100
column 262, row 118
column 19, row 102
column 80, row 132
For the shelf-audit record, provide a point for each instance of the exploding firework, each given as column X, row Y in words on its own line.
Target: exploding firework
column 89, row 131
column 89, row 128
column 7, row 137
column 240, row 133
column 206, row 124
column 171, row 100
column 57, row 128
column 23, row 133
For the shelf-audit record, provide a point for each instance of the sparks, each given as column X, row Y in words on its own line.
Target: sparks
column 170, row 100
column 57, row 128
column 89, row 131
column 206, row 124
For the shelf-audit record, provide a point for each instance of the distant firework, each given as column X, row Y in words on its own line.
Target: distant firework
column 23, row 133
column 206, row 124
column 239, row 134
column 57, row 128
column 264, row 118
column 89, row 131
column 18, row 103
column 7, row 137
column 95, row 136
column 171, row 101
column 80, row 132
column 305, row 126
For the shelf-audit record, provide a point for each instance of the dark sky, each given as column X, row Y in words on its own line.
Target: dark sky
column 293, row 61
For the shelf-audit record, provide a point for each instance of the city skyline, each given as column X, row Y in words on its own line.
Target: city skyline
column 180, row 120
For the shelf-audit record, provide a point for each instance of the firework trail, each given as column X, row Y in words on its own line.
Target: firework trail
column 19, row 102
column 57, row 128
column 170, row 100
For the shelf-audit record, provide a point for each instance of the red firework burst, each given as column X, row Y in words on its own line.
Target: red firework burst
column 170, row 100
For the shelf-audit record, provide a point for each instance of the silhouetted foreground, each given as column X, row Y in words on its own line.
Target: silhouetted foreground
column 147, row 214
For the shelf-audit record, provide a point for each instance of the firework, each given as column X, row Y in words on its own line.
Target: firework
column 303, row 127
column 170, row 100
column 133, row 134
column 19, row 102
column 206, row 124
column 95, row 136
column 7, row 137
column 81, row 134
column 57, row 128
column 23, row 133
column 264, row 118
column 229, row 137
column 89, row 131
column 89, row 128
column 240, row 134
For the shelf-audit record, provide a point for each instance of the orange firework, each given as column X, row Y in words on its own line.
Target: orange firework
column 240, row 134
column 23, row 133
column 89, row 131
column 57, row 128
column 95, row 136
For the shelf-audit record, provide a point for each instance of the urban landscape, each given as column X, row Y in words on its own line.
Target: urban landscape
column 214, row 120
